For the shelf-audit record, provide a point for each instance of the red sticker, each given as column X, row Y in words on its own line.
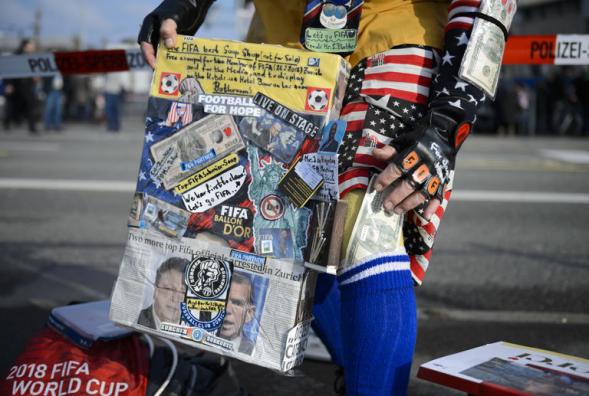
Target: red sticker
column 169, row 83
column 227, row 131
column 462, row 132
column 272, row 207
column 317, row 99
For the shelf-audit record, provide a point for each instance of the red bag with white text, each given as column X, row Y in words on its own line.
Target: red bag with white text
column 52, row 365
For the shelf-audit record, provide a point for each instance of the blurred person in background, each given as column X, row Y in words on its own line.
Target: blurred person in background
column 506, row 108
column 81, row 98
column 523, row 104
column 567, row 115
column 582, row 89
column 52, row 87
column 115, row 85
column 22, row 99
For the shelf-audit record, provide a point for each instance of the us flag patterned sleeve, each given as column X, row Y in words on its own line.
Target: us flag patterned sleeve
column 386, row 94
column 419, row 234
column 454, row 96
column 457, row 99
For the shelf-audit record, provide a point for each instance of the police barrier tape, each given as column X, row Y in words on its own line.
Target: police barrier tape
column 71, row 62
column 560, row 49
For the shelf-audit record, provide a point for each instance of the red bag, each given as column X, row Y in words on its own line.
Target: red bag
column 53, row 366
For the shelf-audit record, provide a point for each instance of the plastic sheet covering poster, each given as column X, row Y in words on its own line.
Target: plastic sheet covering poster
column 215, row 251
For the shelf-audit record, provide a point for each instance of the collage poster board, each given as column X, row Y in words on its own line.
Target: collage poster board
column 220, row 223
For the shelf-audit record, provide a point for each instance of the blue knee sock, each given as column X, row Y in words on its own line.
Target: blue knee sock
column 378, row 326
column 327, row 313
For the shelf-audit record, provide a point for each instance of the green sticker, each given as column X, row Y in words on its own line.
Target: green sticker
column 331, row 40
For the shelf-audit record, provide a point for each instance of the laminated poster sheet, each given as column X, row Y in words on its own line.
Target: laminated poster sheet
column 215, row 249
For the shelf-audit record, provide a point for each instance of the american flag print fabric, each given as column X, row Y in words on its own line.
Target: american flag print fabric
column 448, row 89
column 353, row 114
column 180, row 114
column 387, row 94
column 402, row 73
column 457, row 18
column 355, row 83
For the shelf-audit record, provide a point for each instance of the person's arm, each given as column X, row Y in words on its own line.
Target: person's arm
column 171, row 17
column 422, row 160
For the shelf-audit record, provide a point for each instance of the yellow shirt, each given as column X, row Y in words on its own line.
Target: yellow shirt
column 384, row 24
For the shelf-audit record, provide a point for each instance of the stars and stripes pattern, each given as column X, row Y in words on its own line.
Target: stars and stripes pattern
column 180, row 114
column 458, row 7
column 386, row 95
column 419, row 234
column 354, row 115
column 353, row 91
column 383, row 100
column 380, row 128
column 404, row 73
column 456, row 95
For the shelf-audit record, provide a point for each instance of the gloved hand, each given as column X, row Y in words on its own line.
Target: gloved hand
column 421, row 162
column 168, row 19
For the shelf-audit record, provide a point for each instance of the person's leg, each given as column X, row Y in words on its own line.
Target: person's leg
column 50, row 108
column 47, row 112
column 108, row 111
column 57, row 111
column 327, row 316
column 116, row 112
column 378, row 326
column 9, row 111
column 30, row 109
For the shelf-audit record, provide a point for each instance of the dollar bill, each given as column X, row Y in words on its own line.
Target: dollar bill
column 375, row 230
column 194, row 147
column 481, row 63
column 502, row 10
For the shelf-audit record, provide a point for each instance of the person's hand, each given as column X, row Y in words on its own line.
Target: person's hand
column 167, row 32
column 171, row 17
column 420, row 164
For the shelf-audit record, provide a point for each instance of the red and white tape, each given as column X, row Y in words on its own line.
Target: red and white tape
column 559, row 49
column 77, row 62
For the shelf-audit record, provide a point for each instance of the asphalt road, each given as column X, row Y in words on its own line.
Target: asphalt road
column 511, row 262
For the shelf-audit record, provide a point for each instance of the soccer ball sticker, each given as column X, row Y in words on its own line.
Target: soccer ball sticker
column 169, row 83
column 317, row 99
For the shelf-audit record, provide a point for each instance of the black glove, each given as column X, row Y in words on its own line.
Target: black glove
column 188, row 15
column 427, row 154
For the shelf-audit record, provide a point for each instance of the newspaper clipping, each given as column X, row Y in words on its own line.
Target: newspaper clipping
column 213, row 297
